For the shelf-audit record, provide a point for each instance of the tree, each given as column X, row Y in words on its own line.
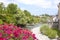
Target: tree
column 13, row 14
column 12, row 8
column 45, row 18
column 1, row 8
column 10, row 11
column 27, row 13
column 28, row 16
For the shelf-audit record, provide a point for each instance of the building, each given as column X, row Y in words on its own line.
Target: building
column 59, row 15
column 56, row 19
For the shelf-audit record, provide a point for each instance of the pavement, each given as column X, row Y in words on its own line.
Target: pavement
column 38, row 34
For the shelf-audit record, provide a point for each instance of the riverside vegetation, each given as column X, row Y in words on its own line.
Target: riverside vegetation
column 13, row 14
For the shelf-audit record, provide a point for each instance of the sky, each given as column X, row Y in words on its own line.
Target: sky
column 36, row 7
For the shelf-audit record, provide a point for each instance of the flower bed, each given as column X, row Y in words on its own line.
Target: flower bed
column 11, row 32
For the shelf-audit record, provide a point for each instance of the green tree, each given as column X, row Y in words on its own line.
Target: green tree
column 45, row 18
column 13, row 14
column 12, row 8
column 1, row 8
column 10, row 11
column 27, row 13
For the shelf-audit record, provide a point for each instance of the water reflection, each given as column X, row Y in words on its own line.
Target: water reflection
column 37, row 25
column 33, row 26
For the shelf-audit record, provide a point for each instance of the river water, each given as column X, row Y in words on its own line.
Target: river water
column 34, row 26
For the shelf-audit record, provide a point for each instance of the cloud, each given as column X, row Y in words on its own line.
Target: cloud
column 40, row 3
column 6, row 2
column 50, row 5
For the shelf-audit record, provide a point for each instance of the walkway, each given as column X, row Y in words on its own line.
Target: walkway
column 38, row 34
column 36, row 30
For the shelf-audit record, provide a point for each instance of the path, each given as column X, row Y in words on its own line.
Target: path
column 38, row 34
column 36, row 30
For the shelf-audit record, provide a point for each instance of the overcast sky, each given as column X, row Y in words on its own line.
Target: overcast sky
column 36, row 7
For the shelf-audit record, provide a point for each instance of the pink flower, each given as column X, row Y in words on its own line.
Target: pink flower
column 16, row 34
column 3, row 39
column 34, row 36
column 0, row 34
column 24, row 38
column 10, row 31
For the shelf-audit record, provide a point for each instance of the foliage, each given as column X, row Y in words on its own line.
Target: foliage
column 45, row 15
column 12, row 8
column 58, row 31
column 48, row 31
column 12, row 14
column 27, row 13
column 1, row 22
column 11, row 32
column 45, row 18
column 1, row 8
column 44, row 28
column 22, row 21
column 36, row 19
column 52, row 34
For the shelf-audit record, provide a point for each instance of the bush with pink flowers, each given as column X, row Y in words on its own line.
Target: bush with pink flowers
column 11, row 32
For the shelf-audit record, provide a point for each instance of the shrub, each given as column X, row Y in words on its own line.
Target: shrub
column 11, row 32
column 44, row 28
column 58, row 32
column 48, row 31
column 1, row 22
column 52, row 34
